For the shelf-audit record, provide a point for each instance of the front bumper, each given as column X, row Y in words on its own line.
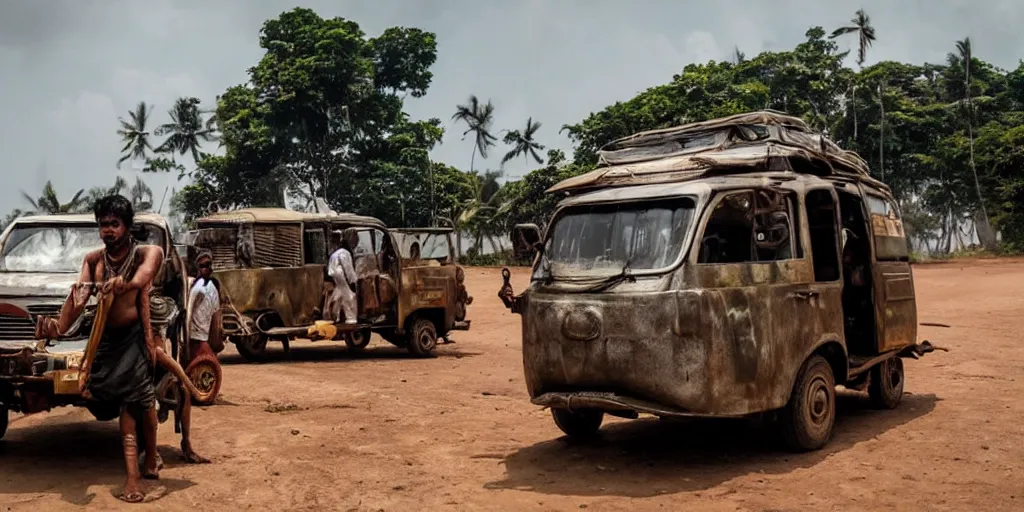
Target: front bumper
column 608, row 401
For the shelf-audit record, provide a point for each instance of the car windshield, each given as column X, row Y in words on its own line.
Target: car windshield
column 605, row 239
column 58, row 249
column 48, row 248
column 432, row 246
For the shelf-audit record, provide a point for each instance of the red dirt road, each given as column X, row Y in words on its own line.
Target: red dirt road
column 323, row 430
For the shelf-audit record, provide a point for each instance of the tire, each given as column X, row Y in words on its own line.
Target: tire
column 808, row 418
column 358, row 340
column 253, row 348
column 578, row 424
column 205, row 373
column 885, row 385
column 4, row 413
column 422, row 338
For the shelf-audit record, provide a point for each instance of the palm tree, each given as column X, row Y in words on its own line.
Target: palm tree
column 478, row 118
column 49, row 204
column 135, row 135
column 186, row 130
column 963, row 57
column 11, row 217
column 479, row 211
column 861, row 24
column 523, row 143
column 738, row 57
column 141, row 196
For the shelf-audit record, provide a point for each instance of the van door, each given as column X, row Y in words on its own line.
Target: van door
column 895, row 303
column 757, row 279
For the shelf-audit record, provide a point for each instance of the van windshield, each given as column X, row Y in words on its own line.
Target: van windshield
column 58, row 249
column 605, row 239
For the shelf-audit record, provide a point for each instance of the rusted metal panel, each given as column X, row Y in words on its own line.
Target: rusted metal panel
column 293, row 293
column 895, row 305
column 428, row 287
column 729, row 348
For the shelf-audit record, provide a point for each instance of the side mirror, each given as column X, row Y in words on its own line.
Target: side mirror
column 525, row 239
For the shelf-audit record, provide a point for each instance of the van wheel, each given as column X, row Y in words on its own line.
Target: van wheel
column 578, row 424
column 358, row 340
column 253, row 348
column 3, row 421
column 422, row 337
column 808, row 418
column 886, row 384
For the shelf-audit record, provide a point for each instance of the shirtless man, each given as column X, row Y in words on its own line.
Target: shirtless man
column 122, row 370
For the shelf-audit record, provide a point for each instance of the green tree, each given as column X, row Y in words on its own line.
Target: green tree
column 522, row 143
column 135, row 134
column 963, row 58
column 322, row 113
column 187, row 131
column 49, row 204
column 860, row 25
column 478, row 118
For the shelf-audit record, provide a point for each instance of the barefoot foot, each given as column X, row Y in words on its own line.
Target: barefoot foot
column 133, row 491
column 191, row 456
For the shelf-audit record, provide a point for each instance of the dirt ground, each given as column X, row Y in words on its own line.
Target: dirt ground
column 324, row 430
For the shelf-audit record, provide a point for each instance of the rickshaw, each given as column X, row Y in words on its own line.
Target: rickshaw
column 40, row 258
column 271, row 265
column 738, row 267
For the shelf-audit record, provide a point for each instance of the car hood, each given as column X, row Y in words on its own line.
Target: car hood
column 31, row 284
column 56, row 348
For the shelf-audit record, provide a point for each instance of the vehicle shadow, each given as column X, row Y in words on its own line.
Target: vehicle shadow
column 67, row 455
column 337, row 351
column 648, row 457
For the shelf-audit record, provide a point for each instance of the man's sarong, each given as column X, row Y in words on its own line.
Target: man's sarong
column 122, row 371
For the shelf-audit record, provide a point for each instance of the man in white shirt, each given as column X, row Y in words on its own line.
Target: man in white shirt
column 204, row 300
column 342, row 272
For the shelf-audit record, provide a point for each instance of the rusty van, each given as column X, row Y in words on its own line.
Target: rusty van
column 271, row 267
column 738, row 267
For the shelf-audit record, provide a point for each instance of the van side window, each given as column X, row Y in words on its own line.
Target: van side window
column 749, row 227
column 314, row 242
column 821, row 220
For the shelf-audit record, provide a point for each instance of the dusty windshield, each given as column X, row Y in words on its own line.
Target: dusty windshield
column 430, row 246
column 59, row 248
column 604, row 239
column 48, row 248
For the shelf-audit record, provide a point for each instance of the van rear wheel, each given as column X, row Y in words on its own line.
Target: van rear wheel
column 885, row 385
column 422, row 337
column 579, row 423
column 253, row 347
column 808, row 418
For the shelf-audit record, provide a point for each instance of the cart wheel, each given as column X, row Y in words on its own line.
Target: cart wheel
column 578, row 424
column 422, row 337
column 3, row 421
column 886, row 384
column 358, row 340
column 205, row 373
column 253, row 348
column 809, row 416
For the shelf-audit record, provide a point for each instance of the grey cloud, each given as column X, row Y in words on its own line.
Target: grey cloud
column 68, row 68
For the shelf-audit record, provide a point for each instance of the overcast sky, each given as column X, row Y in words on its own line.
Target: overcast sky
column 69, row 68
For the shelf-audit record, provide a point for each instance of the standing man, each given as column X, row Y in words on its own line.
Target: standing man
column 122, row 369
column 341, row 271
